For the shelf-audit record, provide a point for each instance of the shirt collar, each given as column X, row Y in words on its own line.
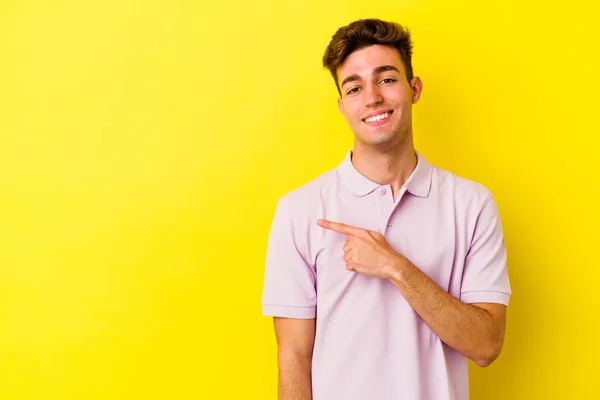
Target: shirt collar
column 418, row 184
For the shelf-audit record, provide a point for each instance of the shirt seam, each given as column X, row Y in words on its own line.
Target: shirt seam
column 484, row 291
column 281, row 305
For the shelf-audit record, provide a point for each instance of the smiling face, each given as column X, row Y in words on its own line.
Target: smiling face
column 376, row 98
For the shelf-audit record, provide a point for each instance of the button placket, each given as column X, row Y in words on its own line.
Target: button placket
column 389, row 215
column 386, row 205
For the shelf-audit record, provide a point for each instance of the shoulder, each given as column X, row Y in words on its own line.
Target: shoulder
column 463, row 191
column 306, row 198
column 297, row 211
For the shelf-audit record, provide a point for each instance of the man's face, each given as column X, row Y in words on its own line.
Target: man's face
column 376, row 97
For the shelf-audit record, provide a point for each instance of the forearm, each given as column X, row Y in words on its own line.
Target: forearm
column 294, row 381
column 468, row 329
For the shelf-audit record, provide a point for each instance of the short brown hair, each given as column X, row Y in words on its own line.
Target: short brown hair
column 363, row 33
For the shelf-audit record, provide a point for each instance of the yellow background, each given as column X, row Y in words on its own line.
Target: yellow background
column 143, row 145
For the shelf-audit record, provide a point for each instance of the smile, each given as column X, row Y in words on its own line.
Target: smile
column 379, row 118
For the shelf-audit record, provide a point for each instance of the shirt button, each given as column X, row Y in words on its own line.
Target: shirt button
column 389, row 223
column 382, row 191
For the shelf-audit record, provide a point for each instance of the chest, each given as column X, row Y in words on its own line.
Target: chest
column 428, row 236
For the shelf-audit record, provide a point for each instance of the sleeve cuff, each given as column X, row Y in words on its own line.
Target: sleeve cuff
column 485, row 297
column 288, row 311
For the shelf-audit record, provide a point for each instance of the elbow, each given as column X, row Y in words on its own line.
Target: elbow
column 488, row 355
column 484, row 361
column 490, row 339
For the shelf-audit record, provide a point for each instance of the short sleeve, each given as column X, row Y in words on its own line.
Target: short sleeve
column 485, row 274
column 290, row 281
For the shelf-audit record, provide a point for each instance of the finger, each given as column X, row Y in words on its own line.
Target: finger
column 348, row 256
column 339, row 227
column 351, row 266
column 348, row 246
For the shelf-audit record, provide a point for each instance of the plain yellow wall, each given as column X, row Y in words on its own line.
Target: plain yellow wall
column 143, row 145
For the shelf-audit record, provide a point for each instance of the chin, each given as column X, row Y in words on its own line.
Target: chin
column 379, row 138
column 375, row 140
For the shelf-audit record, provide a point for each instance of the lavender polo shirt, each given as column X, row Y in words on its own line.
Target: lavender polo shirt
column 370, row 344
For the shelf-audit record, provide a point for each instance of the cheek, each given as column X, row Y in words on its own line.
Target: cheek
column 403, row 104
column 350, row 114
column 352, row 111
column 402, row 98
column 350, row 106
column 406, row 108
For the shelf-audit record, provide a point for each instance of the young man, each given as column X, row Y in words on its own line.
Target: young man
column 386, row 273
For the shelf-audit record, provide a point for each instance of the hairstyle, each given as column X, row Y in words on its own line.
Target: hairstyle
column 363, row 33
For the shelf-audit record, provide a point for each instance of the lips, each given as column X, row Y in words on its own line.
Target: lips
column 378, row 118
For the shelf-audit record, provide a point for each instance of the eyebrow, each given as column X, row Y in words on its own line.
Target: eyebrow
column 378, row 70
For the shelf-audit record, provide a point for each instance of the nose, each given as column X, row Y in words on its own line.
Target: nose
column 372, row 95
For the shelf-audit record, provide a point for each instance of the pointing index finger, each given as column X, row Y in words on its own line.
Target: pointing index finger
column 338, row 227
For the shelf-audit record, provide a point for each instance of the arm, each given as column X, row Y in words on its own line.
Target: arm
column 475, row 330
column 473, row 325
column 290, row 297
column 295, row 340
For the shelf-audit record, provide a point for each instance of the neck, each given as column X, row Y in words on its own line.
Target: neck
column 392, row 165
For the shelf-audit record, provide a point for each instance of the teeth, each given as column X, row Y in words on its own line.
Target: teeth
column 377, row 117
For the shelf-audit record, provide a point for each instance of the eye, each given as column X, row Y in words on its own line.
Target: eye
column 388, row 80
column 353, row 90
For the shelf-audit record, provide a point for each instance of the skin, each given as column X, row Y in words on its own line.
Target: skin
column 475, row 330
column 373, row 81
column 383, row 153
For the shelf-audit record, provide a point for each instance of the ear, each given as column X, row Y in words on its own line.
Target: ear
column 341, row 106
column 417, row 87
